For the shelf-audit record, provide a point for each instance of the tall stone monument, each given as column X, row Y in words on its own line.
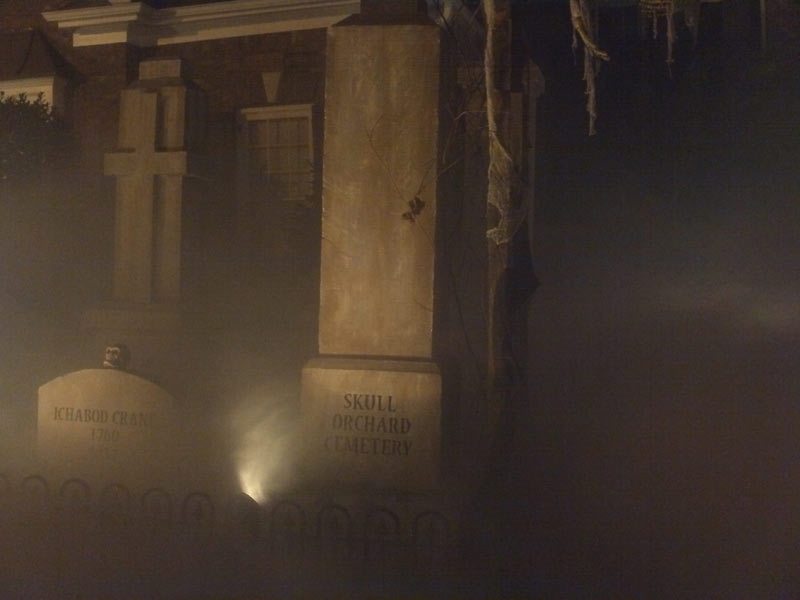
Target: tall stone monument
column 425, row 268
column 160, row 121
column 372, row 400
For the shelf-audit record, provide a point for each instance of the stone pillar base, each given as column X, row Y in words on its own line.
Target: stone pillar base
column 372, row 422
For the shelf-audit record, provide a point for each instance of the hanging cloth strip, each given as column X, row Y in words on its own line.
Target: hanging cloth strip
column 582, row 27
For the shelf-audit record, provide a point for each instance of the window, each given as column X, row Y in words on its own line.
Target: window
column 31, row 66
column 277, row 211
column 277, row 154
column 51, row 88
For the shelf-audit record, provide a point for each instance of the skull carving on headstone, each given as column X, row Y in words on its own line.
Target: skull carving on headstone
column 117, row 356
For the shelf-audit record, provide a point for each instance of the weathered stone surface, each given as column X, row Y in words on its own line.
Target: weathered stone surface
column 373, row 421
column 150, row 168
column 381, row 136
column 374, row 418
column 104, row 424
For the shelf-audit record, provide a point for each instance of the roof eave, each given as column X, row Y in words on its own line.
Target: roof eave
column 140, row 25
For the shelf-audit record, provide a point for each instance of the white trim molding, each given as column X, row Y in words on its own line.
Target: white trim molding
column 138, row 24
column 51, row 87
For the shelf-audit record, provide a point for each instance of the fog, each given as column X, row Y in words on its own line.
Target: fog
column 658, row 453
column 268, row 449
column 655, row 453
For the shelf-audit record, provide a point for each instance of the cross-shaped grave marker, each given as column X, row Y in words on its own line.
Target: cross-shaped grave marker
column 147, row 246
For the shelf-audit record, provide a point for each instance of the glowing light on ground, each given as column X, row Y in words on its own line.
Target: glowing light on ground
column 266, row 434
column 251, row 484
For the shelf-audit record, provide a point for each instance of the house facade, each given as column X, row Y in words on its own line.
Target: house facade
column 232, row 290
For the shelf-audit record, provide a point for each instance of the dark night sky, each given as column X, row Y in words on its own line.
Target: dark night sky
column 661, row 455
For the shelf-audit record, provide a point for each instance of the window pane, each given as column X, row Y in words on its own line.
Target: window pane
column 286, row 131
column 285, row 160
column 278, row 157
column 300, row 158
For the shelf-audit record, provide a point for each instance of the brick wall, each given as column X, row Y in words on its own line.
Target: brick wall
column 229, row 71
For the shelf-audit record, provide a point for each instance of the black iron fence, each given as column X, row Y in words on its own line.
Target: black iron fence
column 68, row 539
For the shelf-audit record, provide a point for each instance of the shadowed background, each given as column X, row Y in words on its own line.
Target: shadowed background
column 657, row 454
